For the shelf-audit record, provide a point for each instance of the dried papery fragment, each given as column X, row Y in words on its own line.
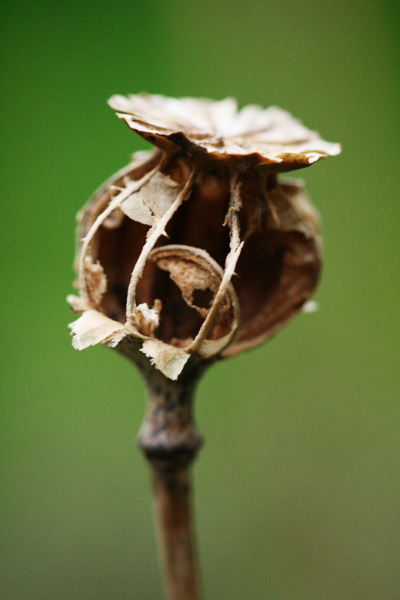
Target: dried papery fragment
column 148, row 204
column 96, row 281
column 95, row 328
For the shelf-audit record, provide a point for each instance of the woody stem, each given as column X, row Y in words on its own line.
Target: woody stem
column 170, row 442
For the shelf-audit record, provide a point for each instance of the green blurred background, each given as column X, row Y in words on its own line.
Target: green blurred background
column 298, row 486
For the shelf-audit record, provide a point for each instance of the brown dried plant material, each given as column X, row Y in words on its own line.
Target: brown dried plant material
column 202, row 126
column 196, row 250
column 193, row 269
column 148, row 204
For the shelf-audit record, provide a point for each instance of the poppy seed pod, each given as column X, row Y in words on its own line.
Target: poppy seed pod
column 196, row 249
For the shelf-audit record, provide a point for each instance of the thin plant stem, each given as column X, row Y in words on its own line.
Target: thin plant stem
column 170, row 442
column 173, row 514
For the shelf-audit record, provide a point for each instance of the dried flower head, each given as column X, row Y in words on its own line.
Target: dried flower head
column 196, row 250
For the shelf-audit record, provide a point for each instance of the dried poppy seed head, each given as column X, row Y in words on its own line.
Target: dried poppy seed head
column 196, row 249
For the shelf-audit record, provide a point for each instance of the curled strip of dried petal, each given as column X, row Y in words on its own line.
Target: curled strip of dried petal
column 153, row 235
column 84, row 271
column 190, row 268
column 193, row 269
column 230, row 263
column 224, row 287
column 210, row 348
